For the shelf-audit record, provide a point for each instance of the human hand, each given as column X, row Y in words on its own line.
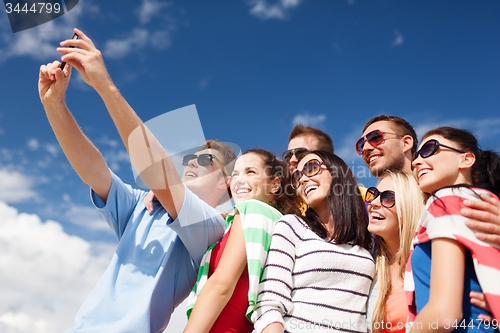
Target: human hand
column 484, row 217
column 148, row 201
column 87, row 60
column 53, row 82
column 478, row 300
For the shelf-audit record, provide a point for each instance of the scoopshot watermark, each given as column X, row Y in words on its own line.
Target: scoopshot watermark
column 31, row 13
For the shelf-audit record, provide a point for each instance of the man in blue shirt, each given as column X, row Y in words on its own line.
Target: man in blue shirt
column 156, row 262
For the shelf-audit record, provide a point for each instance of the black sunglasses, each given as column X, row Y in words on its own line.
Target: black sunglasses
column 374, row 138
column 311, row 168
column 298, row 152
column 387, row 198
column 204, row 160
column 430, row 148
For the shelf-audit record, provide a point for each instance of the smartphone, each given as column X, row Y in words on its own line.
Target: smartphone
column 75, row 36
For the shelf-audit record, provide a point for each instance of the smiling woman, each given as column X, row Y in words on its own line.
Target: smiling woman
column 319, row 271
column 226, row 292
column 451, row 168
column 395, row 206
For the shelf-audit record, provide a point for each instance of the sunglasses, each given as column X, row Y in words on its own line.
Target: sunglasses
column 374, row 138
column 387, row 198
column 311, row 168
column 430, row 148
column 204, row 160
column 298, row 152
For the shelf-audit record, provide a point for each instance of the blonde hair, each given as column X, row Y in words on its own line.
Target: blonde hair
column 409, row 207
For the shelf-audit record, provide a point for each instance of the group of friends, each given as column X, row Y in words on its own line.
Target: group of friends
column 306, row 249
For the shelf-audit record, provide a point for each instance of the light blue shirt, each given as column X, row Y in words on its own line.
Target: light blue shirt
column 155, row 264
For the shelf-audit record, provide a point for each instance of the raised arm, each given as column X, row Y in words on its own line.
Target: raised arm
column 80, row 151
column 147, row 155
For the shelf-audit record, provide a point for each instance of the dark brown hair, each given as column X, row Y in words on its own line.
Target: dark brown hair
column 324, row 140
column 402, row 126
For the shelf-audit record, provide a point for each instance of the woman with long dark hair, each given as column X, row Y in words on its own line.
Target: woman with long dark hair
column 319, row 270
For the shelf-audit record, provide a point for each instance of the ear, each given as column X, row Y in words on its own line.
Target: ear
column 275, row 185
column 407, row 143
column 467, row 161
column 224, row 183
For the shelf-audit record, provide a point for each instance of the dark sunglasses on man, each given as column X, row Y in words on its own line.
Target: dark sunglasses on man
column 387, row 198
column 298, row 152
column 374, row 138
column 431, row 147
column 204, row 160
column 311, row 168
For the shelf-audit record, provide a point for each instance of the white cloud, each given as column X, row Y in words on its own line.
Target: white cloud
column 15, row 186
column 109, row 142
column 33, row 144
column 115, row 158
column 85, row 216
column 120, row 48
column 151, row 8
column 53, row 149
column 40, row 42
column 279, row 10
column 398, row 39
column 46, row 273
column 307, row 119
column 137, row 40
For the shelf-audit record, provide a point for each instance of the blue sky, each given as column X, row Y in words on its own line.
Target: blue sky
column 253, row 68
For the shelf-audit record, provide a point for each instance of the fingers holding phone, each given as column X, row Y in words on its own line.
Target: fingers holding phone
column 53, row 82
column 86, row 58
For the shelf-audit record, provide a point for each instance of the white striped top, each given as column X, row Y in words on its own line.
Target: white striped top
column 312, row 285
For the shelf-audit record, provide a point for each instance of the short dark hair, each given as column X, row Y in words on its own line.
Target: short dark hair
column 402, row 126
column 325, row 142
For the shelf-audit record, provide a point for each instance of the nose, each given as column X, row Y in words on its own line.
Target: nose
column 303, row 180
column 292, row 165
column 374, row 204
column 193, row 163
column 367, row 147
column 238, row 179
column 417, row 161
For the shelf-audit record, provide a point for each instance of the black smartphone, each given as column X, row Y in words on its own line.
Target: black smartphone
column 75, row 36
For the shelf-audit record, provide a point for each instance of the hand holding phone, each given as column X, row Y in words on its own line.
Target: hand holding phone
column 75, row 36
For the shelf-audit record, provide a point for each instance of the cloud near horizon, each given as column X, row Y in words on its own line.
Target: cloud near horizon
column 307, row 119
column 46, row 273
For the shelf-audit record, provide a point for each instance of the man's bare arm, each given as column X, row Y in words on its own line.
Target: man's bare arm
column 84, row 157
column 147, row 155
column 485, row 215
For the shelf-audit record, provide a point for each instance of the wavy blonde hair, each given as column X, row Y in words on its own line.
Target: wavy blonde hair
column 409, row 207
